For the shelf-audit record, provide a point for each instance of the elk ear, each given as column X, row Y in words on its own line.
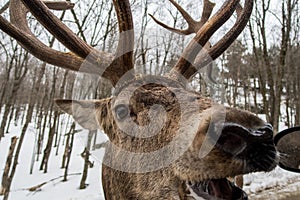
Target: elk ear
column 83, row 112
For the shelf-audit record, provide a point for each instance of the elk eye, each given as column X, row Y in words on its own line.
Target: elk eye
column 121, row 111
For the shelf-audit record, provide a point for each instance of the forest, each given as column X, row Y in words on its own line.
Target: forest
column 260, row 72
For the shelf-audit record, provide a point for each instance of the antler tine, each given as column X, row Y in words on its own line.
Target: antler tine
column 20, row 31
column 175, row 30
column 58, row 29
column 25, row 37
column 243, row 15
column 95, row 62
column 5, row 7
column 59, row 5
column 206, row 12
column 186, row 63
column 110, row 68
column 239, row 10
column 193, row 25
column 41, row 51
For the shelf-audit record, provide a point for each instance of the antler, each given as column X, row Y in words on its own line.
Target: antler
column 194, row 55
column 24, row 36
column 95, row 62
column 193, row 25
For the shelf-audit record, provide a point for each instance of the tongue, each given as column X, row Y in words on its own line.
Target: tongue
column 220, row 188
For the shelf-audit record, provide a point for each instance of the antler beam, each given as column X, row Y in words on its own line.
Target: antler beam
column 197, row 54
column 123, row 62
column 84, row 57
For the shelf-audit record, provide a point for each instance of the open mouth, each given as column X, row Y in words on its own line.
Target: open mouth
column 217, row 189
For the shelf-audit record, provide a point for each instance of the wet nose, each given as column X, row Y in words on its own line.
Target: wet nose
column 235, row 138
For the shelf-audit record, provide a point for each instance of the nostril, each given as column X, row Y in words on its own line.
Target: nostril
column 233, row 139
column 231, row 143
column 265, row 131
column 269, row 126
column 258, row 132
column 266, row 128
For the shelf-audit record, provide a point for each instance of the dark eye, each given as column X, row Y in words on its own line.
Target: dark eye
column 121, row 112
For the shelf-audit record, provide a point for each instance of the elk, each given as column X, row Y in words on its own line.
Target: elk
column 166, row 141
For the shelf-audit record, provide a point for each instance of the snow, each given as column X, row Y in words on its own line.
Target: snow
column 56, row 189
column 278, row 183
column 260, row 185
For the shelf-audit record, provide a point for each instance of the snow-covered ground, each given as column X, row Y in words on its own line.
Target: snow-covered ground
column 55, row 189
column 277, row 184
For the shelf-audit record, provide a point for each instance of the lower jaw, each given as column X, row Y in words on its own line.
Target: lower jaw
column 217, row 189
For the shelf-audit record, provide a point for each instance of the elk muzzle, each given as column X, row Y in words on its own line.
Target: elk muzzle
column 255, row 146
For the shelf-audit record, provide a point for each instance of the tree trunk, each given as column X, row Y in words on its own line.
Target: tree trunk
column 86, row 154
column 68, row 151
column 47, row 151
column 4, row 190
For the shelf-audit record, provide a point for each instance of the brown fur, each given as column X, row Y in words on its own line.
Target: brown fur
column 119, row 179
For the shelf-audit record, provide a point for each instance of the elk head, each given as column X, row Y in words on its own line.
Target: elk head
column 165, row 140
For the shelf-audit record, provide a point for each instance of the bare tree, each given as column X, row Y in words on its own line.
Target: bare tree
column 6, row 180
column 147, row 114
column 272, row 71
